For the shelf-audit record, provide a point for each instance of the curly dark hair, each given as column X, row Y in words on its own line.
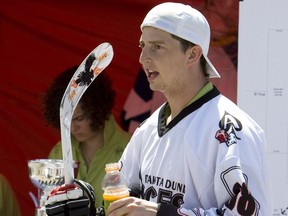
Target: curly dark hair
column 97, row 101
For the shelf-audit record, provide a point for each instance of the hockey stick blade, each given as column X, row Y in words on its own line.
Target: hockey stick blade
column 90, row 68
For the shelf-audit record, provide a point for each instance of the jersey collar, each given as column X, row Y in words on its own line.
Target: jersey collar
column 207, row 93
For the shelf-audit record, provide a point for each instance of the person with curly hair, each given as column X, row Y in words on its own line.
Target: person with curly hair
column 96, row 137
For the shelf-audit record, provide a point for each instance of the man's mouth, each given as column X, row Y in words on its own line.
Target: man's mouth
column 152, row 74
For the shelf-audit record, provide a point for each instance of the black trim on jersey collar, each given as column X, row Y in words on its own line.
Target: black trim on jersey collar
column 163, row 128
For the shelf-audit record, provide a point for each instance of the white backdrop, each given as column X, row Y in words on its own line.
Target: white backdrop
column 263, row 83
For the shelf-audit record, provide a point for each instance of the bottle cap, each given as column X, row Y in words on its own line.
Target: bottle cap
column 112, row 167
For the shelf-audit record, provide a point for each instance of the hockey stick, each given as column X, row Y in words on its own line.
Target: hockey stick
column 89, row 69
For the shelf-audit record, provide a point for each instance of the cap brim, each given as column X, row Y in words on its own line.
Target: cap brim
column 211, row 70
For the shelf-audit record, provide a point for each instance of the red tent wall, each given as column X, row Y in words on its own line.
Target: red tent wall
column 38, row 40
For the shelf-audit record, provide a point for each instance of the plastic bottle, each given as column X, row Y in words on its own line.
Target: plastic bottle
column 114, row 185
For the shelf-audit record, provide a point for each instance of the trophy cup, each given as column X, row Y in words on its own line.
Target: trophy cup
column 45, row 174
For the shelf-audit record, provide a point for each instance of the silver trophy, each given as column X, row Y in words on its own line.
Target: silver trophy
column 45, row 174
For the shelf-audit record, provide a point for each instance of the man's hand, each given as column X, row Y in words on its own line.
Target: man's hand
column 131, row 206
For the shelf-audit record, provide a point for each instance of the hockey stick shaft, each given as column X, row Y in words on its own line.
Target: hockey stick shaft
column 89, row 69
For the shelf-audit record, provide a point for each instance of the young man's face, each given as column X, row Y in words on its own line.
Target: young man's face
column 164, row 63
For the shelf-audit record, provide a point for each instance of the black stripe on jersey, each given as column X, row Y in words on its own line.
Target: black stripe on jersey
column 163, row 128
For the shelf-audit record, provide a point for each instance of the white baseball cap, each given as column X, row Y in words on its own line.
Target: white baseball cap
column 185, row 22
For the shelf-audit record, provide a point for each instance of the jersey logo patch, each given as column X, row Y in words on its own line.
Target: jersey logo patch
column 228, row 125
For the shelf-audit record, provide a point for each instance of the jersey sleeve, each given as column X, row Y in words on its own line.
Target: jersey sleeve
column 130, row 165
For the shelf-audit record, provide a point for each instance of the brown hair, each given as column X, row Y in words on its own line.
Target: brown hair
column 97, row 101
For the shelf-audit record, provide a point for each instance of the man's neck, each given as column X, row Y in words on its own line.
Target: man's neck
column 177, row 104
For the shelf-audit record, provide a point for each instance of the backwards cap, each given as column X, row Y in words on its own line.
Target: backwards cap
column 185, row 22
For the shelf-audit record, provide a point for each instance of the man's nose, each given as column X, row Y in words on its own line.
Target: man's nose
column 144, row 57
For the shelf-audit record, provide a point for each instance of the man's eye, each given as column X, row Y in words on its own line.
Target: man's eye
column 156, row 46
column 141, row 45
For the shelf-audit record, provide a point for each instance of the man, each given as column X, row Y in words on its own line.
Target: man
column 198, row 154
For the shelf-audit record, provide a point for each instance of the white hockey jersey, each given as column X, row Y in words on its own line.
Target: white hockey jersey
column 209, row 160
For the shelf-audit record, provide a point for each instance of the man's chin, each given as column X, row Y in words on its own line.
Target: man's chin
column 155, row 88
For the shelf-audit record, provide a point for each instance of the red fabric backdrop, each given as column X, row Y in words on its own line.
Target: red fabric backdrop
column 38, row 40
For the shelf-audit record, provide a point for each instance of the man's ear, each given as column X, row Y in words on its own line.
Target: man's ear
column 194, row 54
